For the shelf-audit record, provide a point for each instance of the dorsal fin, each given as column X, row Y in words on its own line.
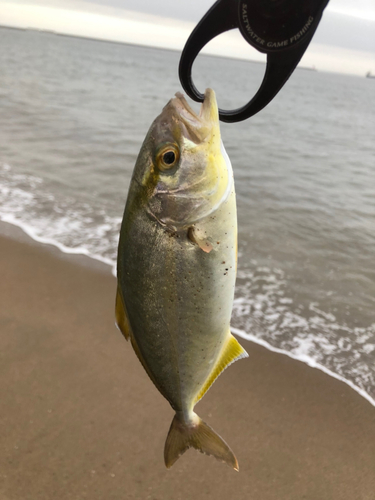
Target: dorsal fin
column 231, row 352
column 122, row 320
column 123, row 324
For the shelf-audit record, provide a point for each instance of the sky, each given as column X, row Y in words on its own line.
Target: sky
column 344, row 41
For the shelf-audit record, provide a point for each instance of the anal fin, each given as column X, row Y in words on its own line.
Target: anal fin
column 231, row 352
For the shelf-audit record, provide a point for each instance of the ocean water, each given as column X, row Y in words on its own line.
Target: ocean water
column 73, row 115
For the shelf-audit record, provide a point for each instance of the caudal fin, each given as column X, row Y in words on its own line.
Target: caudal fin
column 200, row 436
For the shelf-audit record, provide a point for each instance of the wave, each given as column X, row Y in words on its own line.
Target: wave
column 304, row 332
column 71, row 226
column 304, row 358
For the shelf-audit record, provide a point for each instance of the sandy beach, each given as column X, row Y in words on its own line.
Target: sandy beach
column 80, row 418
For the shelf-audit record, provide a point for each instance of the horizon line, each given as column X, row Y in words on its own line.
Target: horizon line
column 169, row 49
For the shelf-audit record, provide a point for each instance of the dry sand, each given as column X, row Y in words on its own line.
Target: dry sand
column 80, row 418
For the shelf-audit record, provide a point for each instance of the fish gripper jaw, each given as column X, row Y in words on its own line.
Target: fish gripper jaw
column 282, row 29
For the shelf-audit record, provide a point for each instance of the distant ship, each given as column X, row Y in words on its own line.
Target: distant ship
column 308, row 68
column 369, row 75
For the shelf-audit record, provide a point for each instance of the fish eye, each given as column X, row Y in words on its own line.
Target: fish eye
column 168, row 157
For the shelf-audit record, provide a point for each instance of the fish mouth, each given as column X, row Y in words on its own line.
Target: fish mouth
column 197, row 126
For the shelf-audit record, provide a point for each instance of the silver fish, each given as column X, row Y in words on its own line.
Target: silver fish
column 176, row 268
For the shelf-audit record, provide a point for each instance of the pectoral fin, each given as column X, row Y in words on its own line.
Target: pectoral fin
column 231, row 352
column 199, row 239
column 122, row 320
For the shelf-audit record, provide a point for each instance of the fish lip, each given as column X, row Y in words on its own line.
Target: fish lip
column 209, row 103
column 197, row 126
column 180, row 103
column 209, row 109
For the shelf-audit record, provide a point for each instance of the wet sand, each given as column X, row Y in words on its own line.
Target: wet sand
column 80, row 419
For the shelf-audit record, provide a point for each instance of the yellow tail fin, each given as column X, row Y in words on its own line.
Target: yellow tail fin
column 200, row 436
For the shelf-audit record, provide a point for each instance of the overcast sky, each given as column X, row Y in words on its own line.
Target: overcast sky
column 344, row 41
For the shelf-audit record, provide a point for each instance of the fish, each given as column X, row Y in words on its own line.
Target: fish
column 176, row 267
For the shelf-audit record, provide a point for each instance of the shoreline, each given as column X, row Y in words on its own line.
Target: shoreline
column 81, row 418
column 306, row 360
column 19, row 232
column 22, row 233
